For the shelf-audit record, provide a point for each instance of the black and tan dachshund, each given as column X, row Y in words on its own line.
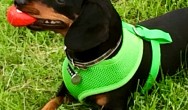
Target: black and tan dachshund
column 93, row 27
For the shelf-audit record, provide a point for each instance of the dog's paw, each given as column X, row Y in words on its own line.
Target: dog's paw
column 53, row 104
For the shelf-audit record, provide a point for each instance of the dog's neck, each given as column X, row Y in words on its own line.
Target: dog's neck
column 97, row 51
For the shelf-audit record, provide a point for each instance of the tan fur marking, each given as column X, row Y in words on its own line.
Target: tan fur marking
column 49, row 13
column 53, row 104
column 42, row 11
column 101, row 99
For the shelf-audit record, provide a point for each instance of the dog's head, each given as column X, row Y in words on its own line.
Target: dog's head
column 86, row 22
column 55, row 15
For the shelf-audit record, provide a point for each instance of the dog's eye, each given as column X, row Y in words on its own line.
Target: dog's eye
column 60, row 1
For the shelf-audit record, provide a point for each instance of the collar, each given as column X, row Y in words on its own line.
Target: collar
column 85, row 65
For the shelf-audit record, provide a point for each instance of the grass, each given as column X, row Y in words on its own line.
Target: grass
column 30, row 63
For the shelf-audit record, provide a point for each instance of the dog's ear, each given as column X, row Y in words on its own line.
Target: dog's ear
column 90, row 29
column 77, row 3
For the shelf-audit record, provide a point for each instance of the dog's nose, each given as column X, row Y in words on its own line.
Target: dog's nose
column 19, row 2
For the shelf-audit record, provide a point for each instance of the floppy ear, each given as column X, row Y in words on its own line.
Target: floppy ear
column 90, row 29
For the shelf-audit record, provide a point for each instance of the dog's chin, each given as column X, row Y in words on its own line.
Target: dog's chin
column 46, row 24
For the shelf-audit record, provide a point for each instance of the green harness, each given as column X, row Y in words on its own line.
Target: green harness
column 110, row 74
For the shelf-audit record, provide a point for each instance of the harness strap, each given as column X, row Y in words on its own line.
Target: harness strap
column 156, row 62
column 156, row 37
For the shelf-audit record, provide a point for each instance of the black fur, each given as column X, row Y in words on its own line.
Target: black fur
column 98, row 27
column 94, row 30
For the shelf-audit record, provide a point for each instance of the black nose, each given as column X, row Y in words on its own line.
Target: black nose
column 20, row 2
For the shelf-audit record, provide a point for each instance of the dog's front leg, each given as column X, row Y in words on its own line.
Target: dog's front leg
column 54, row 103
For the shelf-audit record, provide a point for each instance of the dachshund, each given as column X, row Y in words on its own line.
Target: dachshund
column 92, row 28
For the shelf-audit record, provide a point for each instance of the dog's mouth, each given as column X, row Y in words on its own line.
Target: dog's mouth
column 44, row 24
column 19, row 18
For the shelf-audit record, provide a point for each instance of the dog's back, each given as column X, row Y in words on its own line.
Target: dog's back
column 176, row 24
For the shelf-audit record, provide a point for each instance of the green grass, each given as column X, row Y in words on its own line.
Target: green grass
column 30, row 63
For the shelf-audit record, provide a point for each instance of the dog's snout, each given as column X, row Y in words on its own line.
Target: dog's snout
column 20, row 2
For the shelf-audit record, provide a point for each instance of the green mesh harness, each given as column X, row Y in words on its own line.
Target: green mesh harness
column 110, row 74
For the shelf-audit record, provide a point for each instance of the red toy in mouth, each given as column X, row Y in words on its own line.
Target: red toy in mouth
column 17, row 18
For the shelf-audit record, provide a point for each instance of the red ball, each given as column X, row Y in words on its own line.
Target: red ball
column 17, row 18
